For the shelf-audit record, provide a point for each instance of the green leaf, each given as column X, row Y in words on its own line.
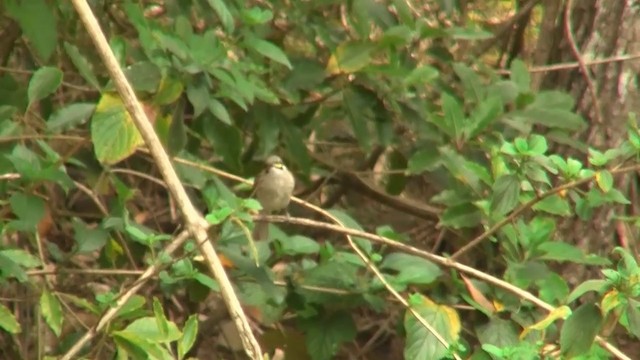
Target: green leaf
column 113, row 132
column 421, row 75
column 520, row 76
column 29, row 209
column 454, row 118
column 44, row 82
column 51, row 311
column 87, row 239
column 223, row 14
column 189, row 336
column 580, row 330
column 420, row 343
column 423, row 160
column 474, row 89
column 604, row 179
column 219, row 111
column 143, row 76
column 38, row 23
column 350, row 57
column 70, row 116
column 410, row 269
column 506, row 194
column 461, row 216
column 198, row 96
column 555, row 205
column 598, row 286
column 358, row 107
column 325, row 335
column 8, row 321
column 486, row 113
column 298, row 245
column 82, row 64
column 268, row 50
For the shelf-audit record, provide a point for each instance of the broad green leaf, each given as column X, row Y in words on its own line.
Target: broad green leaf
column 474, row 89
column 70, row 116
column 256, row 16
column 420, row 342
column 350, row 57
column 461, row 216
column 169, row 91
column 454, row 119
column 223, row 14
column 506, row 194
column 410, row 269
column 604, row 179
column 598, row 286
column 88, row 239
column 268, row 50
column 138, row 346
column 358, row 107
column 113, row 132
column 189, row 336
column 421, row 75
column 21, row 258
column 554, row 204
column 298, row 245
column 226, row 139
column 29, row 209
column 8, row 321
column 220, row 111
column 486, row 113
column 579, row 330
column 552, row 118
column 498, row 332
column 198, row 96
column 38, row 23
column 423, row 160
column 143, row 76
column 51, row 311
column 325, row 335
column 85, row 69
column 44, row 82
column 520, row 76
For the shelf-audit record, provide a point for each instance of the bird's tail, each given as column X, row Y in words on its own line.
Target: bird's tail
column 261, row 230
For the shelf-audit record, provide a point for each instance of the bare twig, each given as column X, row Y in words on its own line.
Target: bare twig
column 583, row 67
column 194, row 221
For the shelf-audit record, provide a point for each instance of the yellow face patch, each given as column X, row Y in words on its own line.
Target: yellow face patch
column 278, row 165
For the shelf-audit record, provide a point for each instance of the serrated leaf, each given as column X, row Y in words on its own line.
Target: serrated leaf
column 44, row 82
column 113, row 132
column 268, row 50
column 420, row 342
column 51, row 311
column 326, row 334
column 506, row 194
column 580, row 330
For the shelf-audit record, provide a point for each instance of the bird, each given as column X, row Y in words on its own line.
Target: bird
column 273, row 188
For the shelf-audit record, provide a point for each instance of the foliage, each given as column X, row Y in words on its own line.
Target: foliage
column 227, row 83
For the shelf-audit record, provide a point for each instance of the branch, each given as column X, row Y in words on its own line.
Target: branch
column 193, row 220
